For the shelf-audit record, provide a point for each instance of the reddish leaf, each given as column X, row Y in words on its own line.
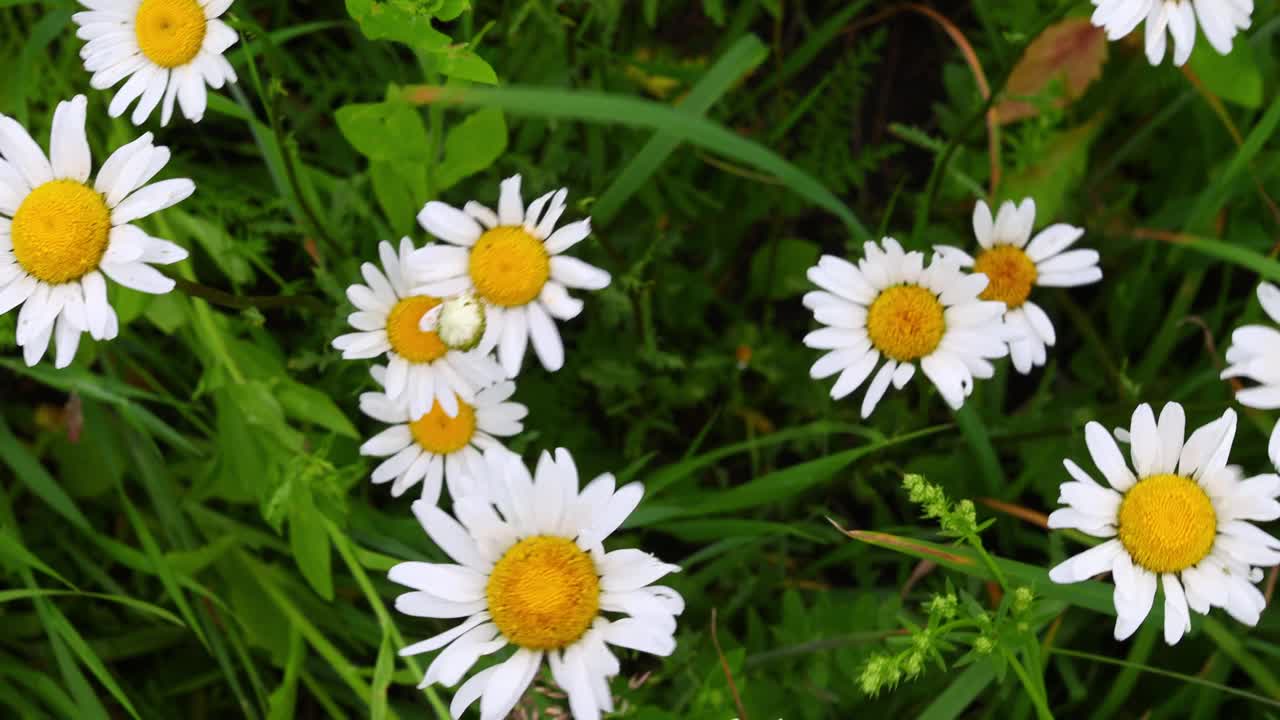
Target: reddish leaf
column 1072, row 50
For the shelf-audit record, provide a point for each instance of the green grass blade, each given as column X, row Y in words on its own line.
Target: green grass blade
column 633, row 112
column 32, row 474
column 745, row 54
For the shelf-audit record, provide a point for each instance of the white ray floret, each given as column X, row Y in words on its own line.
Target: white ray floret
column 1219, row 19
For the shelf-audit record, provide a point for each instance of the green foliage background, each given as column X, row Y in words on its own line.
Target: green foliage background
column 186, row 526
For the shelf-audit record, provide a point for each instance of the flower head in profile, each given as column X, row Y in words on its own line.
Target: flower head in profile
column 62, row 237
column 531, row 574
column 437, row 446
column 1180, row 519
column 421, row 367
column 891, row 307
column 1220, row 20
column 1015, row 263
column 512, row 261
column 169, row 50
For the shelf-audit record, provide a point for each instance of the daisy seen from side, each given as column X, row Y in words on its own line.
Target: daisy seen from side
column 435, row 446
column 421, row 367
column 1015, row 264
column 891, row 307
column 61, row 237
column 532, row 573
column 168, row 49
column 513, row 262
column 1181, row 518
column 1219, row 19
column 1254, row 354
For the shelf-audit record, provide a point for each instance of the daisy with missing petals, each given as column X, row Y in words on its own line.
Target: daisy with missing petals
column 421, row 366
column 59, row 235
column 511, row 261
column 1179, row 519
column 169, row 49
column 532, row 573
column 437, row 445
column 891, row 306
column 1014, row 267
column 1220, row 20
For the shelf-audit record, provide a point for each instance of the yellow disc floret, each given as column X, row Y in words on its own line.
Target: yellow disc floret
column 438, row 433
column 61, row 231
column 1011, row 274
column 509, row 266
column 906, row 322
column 407, row 340
column 1167, row 523
column 170, row 32
column 544, row 593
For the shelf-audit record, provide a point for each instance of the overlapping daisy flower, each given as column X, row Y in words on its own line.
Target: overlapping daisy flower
column 532, row 574
column 436, row 445
column 512, row 261
column 891, row 307
column 1014, row 263
column 421, row 366
column 1254, row 354
column 60, row 237
column 169, row 50
column 1180, row 519
column 1220, row 20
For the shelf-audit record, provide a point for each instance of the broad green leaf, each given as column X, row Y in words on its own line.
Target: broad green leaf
column 405, row 21
column 401, row 189
column 390, row 131
column 1235, row 77
column 471, row 146
column 308, row 405
column 1055, row 173
column 309, row 542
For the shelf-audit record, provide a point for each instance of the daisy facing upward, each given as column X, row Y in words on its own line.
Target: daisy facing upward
column 512, row 262
column 61, row 238
column 532, row 574
column 169, row 50
column 422, row 367
column 435, row 445
column 1180, row 519
column 1014, row 268
column 891, row 307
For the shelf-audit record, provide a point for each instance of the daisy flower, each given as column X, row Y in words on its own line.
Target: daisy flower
column 1177, row 519
column 1255, row 354
column 169, row 49
column 1014, row 267
column 436, row 445
column 1220, row 20
column 532, row 573
column 891, row 306
column 420, row 365
column 512, row 262
column 59, row 235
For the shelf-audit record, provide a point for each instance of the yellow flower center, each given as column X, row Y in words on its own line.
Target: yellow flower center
column 1011, row 273
column 1167, row 523
column 170, row 32
column 438, row 433
column 60, row 231
column 544, row 593
column 906, row 322
column 407, row 340
column 509, row 266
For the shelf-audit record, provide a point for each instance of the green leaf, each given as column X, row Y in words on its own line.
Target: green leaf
column 778, row 269
column 405, row 21
column 390, row 131
column 31, row 473
column 1235, row 78
column 400, row 188
column 306, row 404
column 1056, row 173
column 309, row 542
column 463, row 64
column 471, row 146
column 13, row 551
column 962, row 691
